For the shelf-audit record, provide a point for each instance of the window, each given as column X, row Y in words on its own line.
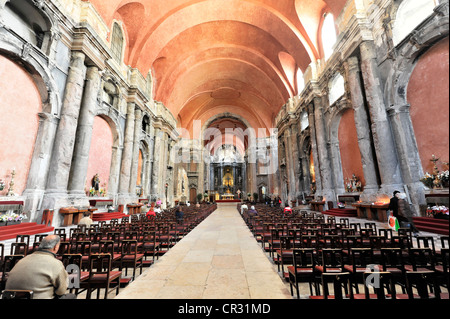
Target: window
column 328, row 35
column 304, row 120
column 117, row 42
column 409, row 15
column 336, row 88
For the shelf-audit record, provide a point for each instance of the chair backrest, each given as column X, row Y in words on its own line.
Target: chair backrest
column 17, row 294
column 392, row 258
column 72, row 259
column 422, row 257
column 361, row 257
column 332, row 258
column 303, row 258
column 129, row 247
column 99, row 264
column 381, row 283
column 19, row 248
column 341, row 284
column 426, row 241
column 424, row 282
column 445, row 242
column 9, row 262
column 23, row 239
column 81, row 247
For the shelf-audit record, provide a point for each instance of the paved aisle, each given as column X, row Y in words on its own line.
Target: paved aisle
column 219, row 259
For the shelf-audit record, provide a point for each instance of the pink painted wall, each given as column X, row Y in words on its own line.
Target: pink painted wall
column 348, row 145
column 100, row 153
column 429, row 99
column 20, row 103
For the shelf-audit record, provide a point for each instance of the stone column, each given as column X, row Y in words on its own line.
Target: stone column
column 324, row 158
column 408, row 153
column 385, row 150
column 362, row 129
column 289, row 165
column 136, row 143
column 80, row 160
column 127, row 155
column 155, row 191
column 39, row 167
column 65, row 136
column 295, row 160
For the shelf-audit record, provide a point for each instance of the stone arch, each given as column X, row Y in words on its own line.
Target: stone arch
column 409, row 51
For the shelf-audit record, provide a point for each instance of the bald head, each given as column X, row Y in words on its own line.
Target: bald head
column 51, row 243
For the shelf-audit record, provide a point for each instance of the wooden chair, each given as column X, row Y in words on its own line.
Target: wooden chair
column 382, row 284
column 421, row 259
column 421, row 285
column 101, row 276
column 9, row 262
column 360, row 260
column 82, row 247
column 302, row 269
column 17, row 294
column 130, row 257
column 442, row 268
column 149, row 246
column 283, row 255
column 392, row 260
column 341, row 286
column 73, row 263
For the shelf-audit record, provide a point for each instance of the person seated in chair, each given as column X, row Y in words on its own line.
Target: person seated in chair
column 41, row 272
column 86, row 220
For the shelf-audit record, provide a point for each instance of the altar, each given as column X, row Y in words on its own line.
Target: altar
column 227, row 196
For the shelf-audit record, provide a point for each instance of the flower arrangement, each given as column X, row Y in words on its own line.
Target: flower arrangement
column 436, row 210
column 12, row 217
column 2, row 184
column 428, row 180
column 440, row 179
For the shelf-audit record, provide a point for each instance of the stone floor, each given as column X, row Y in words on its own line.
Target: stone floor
column 219, row 259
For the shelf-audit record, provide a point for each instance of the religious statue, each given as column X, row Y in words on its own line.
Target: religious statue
column 96, row 182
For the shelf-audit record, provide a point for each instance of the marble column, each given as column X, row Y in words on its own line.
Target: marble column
column 156, row 172
column 56, row 195
column 65, row 136
column 325, row 170
column 408, row 153
column 295, row 159
column 39, row 167
column 127, row 154
column 80, row 160
column 136, row 143
column 363, row 129
column 385, row 150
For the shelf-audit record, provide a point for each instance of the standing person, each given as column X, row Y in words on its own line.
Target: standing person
column 405, row 214
column 41, row 272
column 179, row 215
column 393, row 204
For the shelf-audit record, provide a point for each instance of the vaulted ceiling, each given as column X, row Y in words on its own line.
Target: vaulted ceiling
column 209, row 57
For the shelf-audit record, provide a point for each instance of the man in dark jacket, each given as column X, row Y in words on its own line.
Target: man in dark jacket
column 393, row 204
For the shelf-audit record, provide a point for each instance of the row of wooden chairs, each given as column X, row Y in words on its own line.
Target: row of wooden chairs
column 102, row 251
column 308, row 265
column 358, row 245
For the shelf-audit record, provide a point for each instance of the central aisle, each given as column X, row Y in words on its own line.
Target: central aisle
column 219, row 259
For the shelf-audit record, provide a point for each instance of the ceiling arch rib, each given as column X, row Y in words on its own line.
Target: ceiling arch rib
column 245, row 42
column 157, row 38
column 166, row 86
column 228, row 69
